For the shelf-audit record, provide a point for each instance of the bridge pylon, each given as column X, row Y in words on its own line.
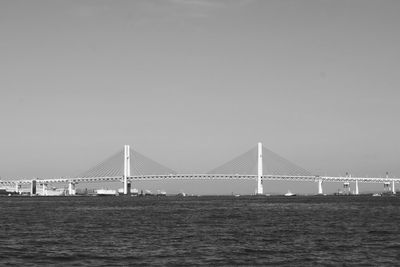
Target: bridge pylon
column 71, row 188
column 393, row 188
column 127, row 168
column 320, row 190
column 357, row 192
column 260, row 190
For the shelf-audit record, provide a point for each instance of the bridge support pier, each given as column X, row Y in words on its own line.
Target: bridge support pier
column 44, row 189
column 320, row 191
column 33, row 187
column 127, row 168
column 71, row 189
column 17, row 186
column 260, row 189
column 393, row 188
column 357, row 192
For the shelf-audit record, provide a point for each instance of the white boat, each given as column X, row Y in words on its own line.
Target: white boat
column 148, row 193
column 289, row 194
column 376, row 195
column 134, row 192
column 106, row 192
column 161, row 193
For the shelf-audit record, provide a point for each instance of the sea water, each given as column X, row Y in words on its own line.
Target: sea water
column 214, row 231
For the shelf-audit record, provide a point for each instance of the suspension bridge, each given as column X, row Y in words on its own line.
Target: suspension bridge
column 259, row 164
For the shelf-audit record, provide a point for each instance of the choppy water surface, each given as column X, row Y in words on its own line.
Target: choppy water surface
column 110, row 231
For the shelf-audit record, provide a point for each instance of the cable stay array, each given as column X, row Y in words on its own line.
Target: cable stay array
column 273, row 164
column 244, row 164
column 114, row 166
column 110, row 167
column 142, row 165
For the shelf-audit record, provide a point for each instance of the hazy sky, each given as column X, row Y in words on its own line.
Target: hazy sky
column 195, row 83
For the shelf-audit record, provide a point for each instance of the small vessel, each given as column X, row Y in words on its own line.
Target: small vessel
column 161, row 193
column 289, row 194
column 376, row 195
column 148, row 193
column 106, row 192
column 134, row 192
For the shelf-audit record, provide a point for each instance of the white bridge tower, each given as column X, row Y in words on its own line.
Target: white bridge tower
column 320, row 190
column 127, row 167
column 260, row 171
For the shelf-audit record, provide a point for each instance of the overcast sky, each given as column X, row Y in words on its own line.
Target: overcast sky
column 192, row 84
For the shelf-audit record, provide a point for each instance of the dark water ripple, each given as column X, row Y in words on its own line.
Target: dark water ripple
column 117, row 231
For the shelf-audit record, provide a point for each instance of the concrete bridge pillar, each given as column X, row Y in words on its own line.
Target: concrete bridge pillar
column 71, row 189
column 17, row 186
column 260, row 189
column 127, row 167
column 44, row 189
column 357, row 192
column 320, row 191
column 33, row 187
column 393, row 188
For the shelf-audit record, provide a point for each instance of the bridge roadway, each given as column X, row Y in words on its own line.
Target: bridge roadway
column 202, row 177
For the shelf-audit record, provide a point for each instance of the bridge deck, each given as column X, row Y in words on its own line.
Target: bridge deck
column 205, row 177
